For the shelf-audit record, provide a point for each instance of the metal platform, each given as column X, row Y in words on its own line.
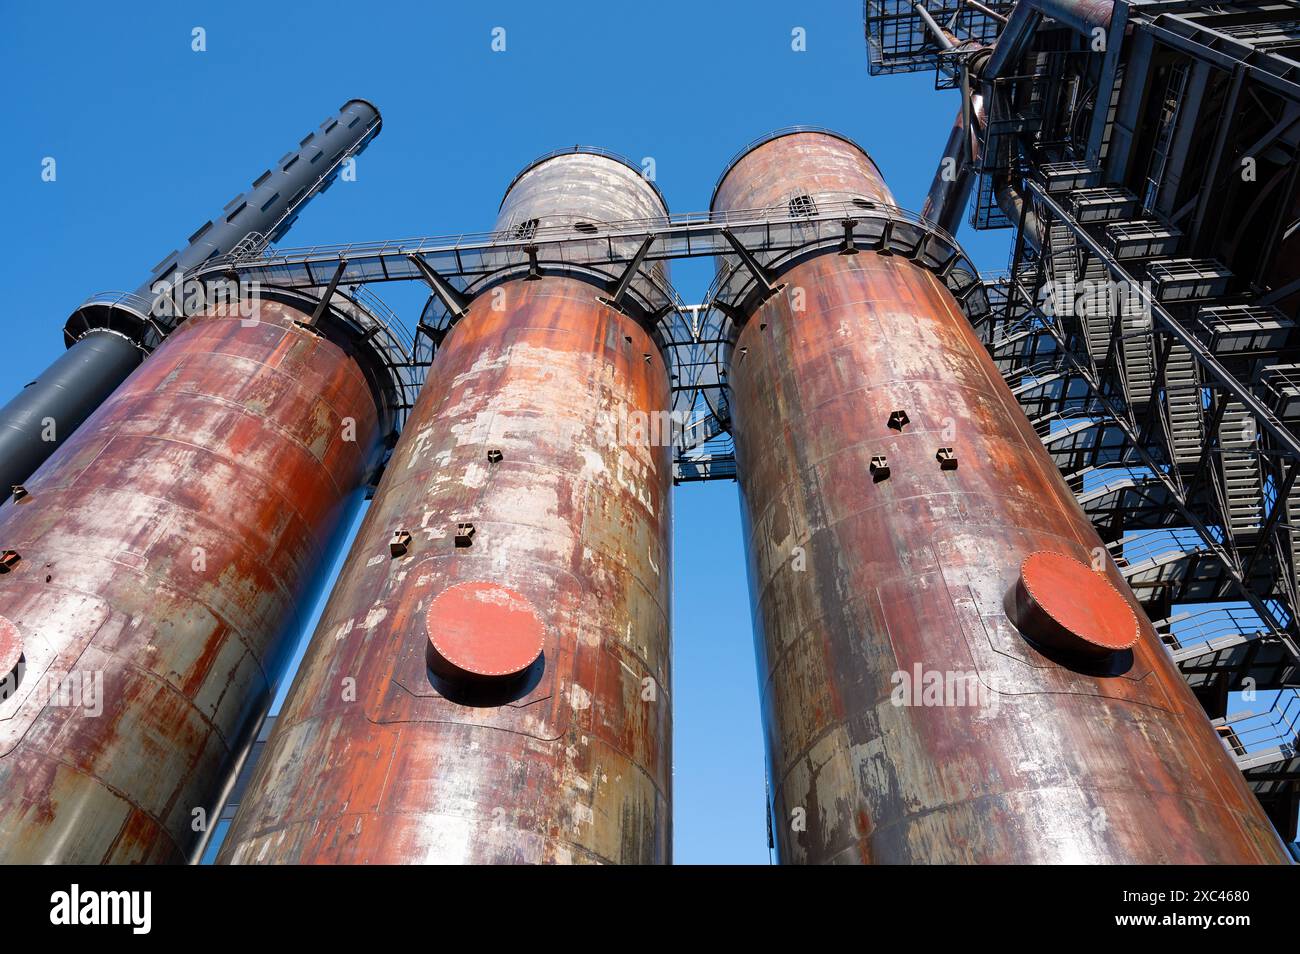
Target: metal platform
column 695, row 339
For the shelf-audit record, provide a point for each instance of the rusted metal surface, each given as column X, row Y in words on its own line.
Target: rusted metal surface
column 573, row 186
column 11, row 649
column 1065, row 605
column 907, row 718
column 765, row 177
column 482, row 632
column 524, row 430
column 168, row 550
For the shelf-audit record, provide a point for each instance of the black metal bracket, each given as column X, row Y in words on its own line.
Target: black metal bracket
column 453, row 299
column 177, row 296
column 737, row 315
column 761, row 274
column 848, row 247
column 886, row 234
column 618, row 289
column 329, row 292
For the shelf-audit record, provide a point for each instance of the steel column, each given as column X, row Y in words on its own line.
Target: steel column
column 490, row 679
column 870, row 583
column 167, row 554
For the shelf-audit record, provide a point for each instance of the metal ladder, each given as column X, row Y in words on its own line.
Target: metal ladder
column 1183, row 406
column 1097, row 316
column 1293, row 521
column 1239, row 462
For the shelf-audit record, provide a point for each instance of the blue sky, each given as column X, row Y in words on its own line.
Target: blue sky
column 151, row 139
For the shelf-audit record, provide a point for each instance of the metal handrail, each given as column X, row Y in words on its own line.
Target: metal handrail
column 710, row 224
column 1153, row 544
column 1279, row 726
column 1207, row 625
column 130, row 299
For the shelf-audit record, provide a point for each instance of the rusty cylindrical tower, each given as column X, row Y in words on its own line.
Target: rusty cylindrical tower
column 157, row 570
column 900, row 511
column 489, row 681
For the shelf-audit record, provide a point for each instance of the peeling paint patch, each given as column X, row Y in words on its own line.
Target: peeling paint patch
column 579, row 698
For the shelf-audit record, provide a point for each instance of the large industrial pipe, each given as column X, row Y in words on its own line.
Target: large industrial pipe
column 945, row 677
column 489, row 681
column 109, row 334
column 951, row 187
column 155, row 571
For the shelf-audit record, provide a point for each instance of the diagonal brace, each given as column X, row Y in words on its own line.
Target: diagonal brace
column 453, row 299
column 619, row 289
column 329, row 292
column 761, row 274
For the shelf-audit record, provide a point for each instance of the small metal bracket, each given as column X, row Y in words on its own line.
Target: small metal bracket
column 8, row 560
column 400, row 544
column 898, row 420
column 879, row 468
column 849, row 247
column 737, row 315
column 176, row 294
column 494, row 456
column 464, row 535
column 435, row 335
column 946, row 458
column 886, row 234
column 19, row 491
column 534, row 272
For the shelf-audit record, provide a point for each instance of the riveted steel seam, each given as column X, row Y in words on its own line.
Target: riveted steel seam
column 292, row 821
column 822, row 616
column 161, row 825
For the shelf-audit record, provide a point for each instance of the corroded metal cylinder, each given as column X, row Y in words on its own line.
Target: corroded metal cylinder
column 164, row 558
column 109, row 334
column 909, row 719
column 489, row 681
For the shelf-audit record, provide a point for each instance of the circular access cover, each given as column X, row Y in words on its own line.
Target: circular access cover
column 1063, row 603
column 482, row 631
column 11, row 647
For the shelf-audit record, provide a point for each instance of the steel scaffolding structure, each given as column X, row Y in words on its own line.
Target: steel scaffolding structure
column 1145, row 155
